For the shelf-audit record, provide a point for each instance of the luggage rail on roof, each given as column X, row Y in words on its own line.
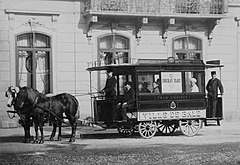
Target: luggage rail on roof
column 99, row 63
column 153, row 62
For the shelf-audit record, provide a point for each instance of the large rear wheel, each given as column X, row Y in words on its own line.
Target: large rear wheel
column 147, row 129
column 190, row 127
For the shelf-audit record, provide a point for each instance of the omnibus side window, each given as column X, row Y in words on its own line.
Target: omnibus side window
column 194, row 81
column 171, row 82
column 148, row 83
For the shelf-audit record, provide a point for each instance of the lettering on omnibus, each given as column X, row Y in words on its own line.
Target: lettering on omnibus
column 170, row 115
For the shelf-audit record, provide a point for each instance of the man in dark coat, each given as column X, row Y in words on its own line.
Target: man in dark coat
column 127, row 100
column 212, row 87
column 109, row 88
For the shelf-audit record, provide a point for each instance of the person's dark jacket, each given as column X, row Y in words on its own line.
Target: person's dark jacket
column 110, row 87
column 129, row 97
column 212, row 88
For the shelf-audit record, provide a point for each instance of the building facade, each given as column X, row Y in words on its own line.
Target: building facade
column 47, row 44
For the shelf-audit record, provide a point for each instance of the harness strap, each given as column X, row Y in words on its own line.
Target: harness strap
column 51, row 113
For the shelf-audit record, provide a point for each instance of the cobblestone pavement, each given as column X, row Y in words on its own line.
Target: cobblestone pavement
column 212, row 145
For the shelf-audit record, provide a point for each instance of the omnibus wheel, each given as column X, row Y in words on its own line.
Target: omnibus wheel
column 190, row 127
column 167, row 127
column 126, row 131
column 147, row 129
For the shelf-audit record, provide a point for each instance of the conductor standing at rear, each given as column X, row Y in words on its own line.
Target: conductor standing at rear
column 212, row 87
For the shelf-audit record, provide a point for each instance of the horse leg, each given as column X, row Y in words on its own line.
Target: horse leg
column 25, row 120
column 26, row 138
column 41, row 123
column 53, row 131
column 42, row 136
column 59, row 130
column 36, row 140
column 73, row 123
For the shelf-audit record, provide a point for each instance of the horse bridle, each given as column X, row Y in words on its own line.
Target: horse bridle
column 12, row 92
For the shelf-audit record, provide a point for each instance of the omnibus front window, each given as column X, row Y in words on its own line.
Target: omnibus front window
column 122, row 79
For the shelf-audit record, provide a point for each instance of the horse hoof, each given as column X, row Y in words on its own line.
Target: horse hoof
column 51, row 139
column 26, row 140
column 41, row 142
column 59, row 139
column 72, row 140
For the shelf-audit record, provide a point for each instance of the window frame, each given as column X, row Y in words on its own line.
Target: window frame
column 33, row 49
column 187, row 50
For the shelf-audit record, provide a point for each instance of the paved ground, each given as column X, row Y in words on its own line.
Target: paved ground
column 213, row 145
column 95, row 137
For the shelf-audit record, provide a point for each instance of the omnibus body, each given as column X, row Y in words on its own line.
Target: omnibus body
column 172, row 100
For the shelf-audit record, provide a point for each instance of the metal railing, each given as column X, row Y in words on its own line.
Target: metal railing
column 158, row 7
column 122, row 61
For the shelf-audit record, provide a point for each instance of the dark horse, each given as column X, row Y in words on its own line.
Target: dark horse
column 24, row 113
column 51, row 108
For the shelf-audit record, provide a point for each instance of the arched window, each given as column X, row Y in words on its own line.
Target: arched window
column 33, row 61
column 114, row 49
column 187, row 47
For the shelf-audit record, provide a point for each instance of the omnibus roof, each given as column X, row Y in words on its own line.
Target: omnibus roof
column 96, row 66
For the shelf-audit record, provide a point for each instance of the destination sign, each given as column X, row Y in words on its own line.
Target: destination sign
column 171, row 82
column 170, row 115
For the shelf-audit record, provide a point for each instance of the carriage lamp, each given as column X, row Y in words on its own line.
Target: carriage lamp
column 164, row 38
column 89, row 36
column 138, row 37
column 210, row 37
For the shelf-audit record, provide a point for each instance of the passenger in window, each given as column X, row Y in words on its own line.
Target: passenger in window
column 155, row 87
column 140, row 87
column 127, row 100
column 109, row 88
column 145, row 88
column 194, row 87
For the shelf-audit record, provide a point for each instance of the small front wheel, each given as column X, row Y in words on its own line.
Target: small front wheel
column 190, row 127
column 147, row 129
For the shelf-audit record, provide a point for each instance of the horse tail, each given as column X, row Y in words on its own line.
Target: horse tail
column 77, row 116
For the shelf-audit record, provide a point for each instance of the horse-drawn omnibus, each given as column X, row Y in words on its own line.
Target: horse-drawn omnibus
column 177, row 97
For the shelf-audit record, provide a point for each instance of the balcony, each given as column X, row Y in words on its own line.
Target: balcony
column 164, row 15
column 158, row 8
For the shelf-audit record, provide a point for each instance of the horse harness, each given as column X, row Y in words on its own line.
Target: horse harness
column 35, row 105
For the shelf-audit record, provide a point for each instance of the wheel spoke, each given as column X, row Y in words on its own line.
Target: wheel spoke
column 147, row 129
column 167, row 127
column 190, row 127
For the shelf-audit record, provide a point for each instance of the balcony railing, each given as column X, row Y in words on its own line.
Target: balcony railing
column 158, row 7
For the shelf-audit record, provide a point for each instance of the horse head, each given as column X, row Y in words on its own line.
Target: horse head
column 26, row 97
column 11, row 94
